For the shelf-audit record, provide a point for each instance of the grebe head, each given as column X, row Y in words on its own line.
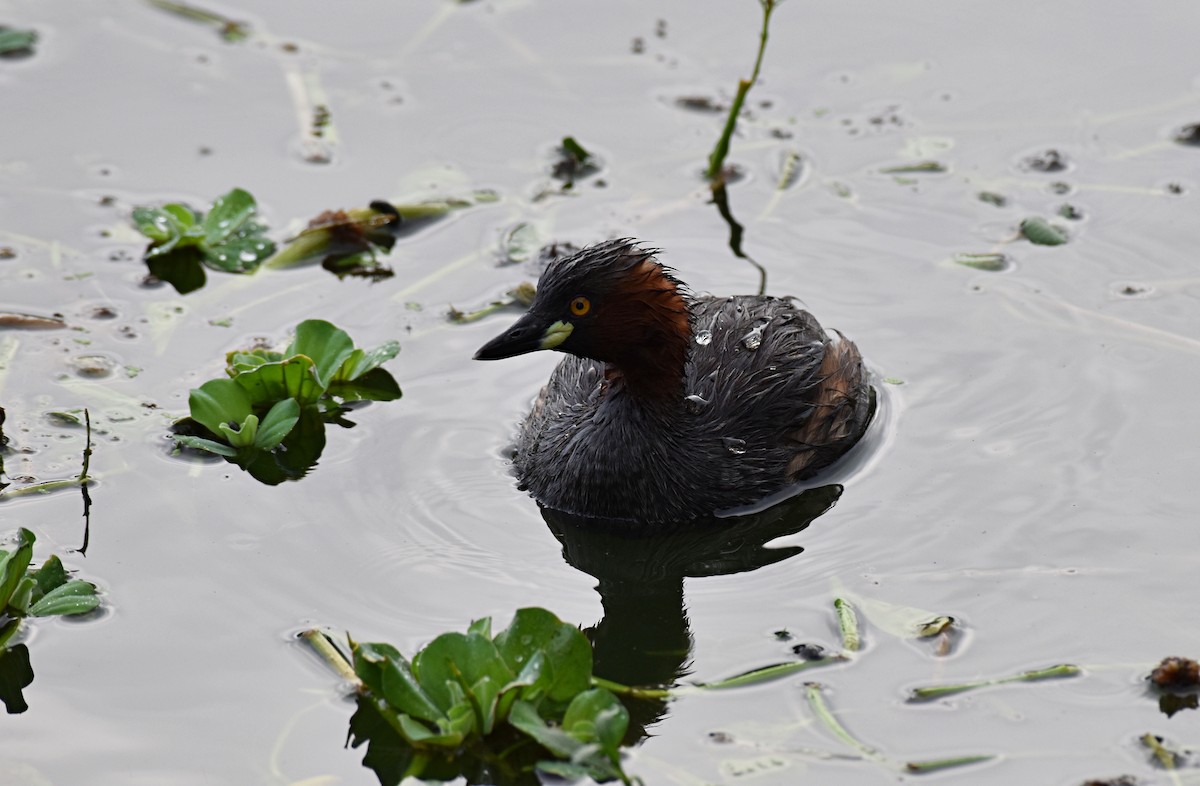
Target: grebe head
column 612, row 302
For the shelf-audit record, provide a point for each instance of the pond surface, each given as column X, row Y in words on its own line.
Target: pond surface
column 1035, row 478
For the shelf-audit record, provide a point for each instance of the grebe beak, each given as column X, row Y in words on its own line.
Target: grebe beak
column 529, row 334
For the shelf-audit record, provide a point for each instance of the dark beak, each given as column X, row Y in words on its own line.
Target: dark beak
column 526, row 335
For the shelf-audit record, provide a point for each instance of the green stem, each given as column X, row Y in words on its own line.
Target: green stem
column 717, row 158
column 46, row 487
column 768, row 673
column 936, row 765
column 816, row 701
column 938, row 691
column 332, row 656
column 417, row 765
column 87, row 450
column 653, row 694
column 848, row 623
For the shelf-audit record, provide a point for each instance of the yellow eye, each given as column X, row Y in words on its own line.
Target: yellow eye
column 580, row 306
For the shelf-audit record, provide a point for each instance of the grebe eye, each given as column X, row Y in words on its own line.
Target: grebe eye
column 580, row 306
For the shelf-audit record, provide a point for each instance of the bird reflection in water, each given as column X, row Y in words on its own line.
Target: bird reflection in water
column 644, row 638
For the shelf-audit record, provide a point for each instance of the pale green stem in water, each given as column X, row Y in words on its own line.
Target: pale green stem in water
column 330, row 654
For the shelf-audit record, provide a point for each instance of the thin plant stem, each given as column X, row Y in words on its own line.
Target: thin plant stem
column 332, row 656
column 717, row 158
column 816, row 701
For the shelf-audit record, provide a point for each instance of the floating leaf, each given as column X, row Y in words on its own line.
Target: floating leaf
column 271, row 382
column 211, row 446
column 565, row 647
column 458, row 704
column 992, row 261
column 13, row 565
column 74, row 597
column 16, row 43
column 229, row 239
column 328, row 347
column 276, row 425
column 51, row 575
column 219, row 401
column 1041, row 232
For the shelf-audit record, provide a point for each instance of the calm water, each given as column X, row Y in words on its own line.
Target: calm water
column 1036, row 479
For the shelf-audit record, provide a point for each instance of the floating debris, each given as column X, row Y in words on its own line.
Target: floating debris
column 16, row 44
column 991, row 261
column 230, row 30
column 12, row 320
column 1176, row 672
column 1041, row 232
column 1188, row 135
column 1049, row 160
column 1070, row 212
column 915, row 168
column 992, row 198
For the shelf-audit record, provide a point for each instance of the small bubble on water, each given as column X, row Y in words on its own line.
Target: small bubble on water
column 734, row 445
column 704, row 338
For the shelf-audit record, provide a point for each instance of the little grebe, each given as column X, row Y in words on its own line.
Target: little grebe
column 672, row 406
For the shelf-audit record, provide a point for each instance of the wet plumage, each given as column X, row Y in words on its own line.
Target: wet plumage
column 671, row 407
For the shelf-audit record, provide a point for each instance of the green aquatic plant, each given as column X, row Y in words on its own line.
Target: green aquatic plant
column 230, row 31
column 1039, row 231
column 934, row 692
column 350, row 241
column 16, row 43
column 272, row 399
column 183, row 242
column 495, row 708
column 573, row 162
column 716, row 159
column 45, row 591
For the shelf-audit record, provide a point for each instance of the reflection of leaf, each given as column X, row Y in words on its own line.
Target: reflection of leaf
column 182, row 269
column 15, row 675
column 376, row 385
